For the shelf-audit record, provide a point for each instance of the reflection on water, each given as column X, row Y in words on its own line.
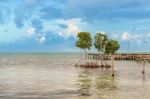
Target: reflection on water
column 51, row 76
column 105, row 85
column 84, row 83
column 106, row 82
column 143, row 77
column 89, row 84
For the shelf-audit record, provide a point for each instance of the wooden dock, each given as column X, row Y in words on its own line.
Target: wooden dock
column 121, row 56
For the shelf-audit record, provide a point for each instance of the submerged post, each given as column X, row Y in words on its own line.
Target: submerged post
column 112, row 65
column 143, row 66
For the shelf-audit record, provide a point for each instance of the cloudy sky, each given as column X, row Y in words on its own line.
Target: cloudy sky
column 52, row 25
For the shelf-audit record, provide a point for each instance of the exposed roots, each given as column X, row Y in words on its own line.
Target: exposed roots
column 92, row 64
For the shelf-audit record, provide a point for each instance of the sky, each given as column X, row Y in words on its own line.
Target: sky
column 52, row 25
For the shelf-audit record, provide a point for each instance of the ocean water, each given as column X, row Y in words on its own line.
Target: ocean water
column 54, row 76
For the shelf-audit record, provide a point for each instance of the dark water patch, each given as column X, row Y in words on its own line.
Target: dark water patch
column 42, row 95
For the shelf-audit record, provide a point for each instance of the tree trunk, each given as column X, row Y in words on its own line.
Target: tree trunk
column 81, row 54
column 85, row 54
column 100, row 57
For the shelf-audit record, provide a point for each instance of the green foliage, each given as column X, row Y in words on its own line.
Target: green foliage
column 84, row 40
column 100, row 41
column 111, row 46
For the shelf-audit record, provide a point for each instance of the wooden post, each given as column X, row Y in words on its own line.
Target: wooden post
column 143, row 77
column 143, row 66
column 112, row 65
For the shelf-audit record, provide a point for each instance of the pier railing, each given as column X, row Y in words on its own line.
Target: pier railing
column 121, row 56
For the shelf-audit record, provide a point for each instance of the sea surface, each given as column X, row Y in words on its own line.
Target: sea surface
column 54, row 76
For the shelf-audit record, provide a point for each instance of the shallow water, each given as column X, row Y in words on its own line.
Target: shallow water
column 53, row 76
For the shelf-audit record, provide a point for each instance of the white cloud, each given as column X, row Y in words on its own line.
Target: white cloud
column 30, row 2
column 101, row 32
column 72, row 27
column 31, row 31
column 134, row 37
column 42, row 39
column 148, row 36
column 114, row 36
column 137, row 37
column 126, row 36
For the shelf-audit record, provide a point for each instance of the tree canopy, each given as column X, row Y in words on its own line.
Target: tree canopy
column 84, row 40
column 111, row 46
column 100, row 40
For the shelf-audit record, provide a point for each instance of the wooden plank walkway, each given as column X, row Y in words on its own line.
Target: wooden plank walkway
column 121, row 56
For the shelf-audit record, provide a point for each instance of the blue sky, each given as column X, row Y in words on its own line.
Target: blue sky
column 52, row 25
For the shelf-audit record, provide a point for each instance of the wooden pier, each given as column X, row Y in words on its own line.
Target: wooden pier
column 121, row 56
